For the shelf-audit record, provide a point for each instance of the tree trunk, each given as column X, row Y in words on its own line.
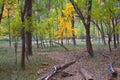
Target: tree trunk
column 118, row 43
column 9, row 27
column 87, row 27
column 23, row 49
column 62, row 42
column 86, row 23
column 15, row 47
column 103, row 38
column 28, row 16
column 114, row 38
column 23, row 38
column 103, row 34
column 37, row 41
column 50, row 42
column 1, row 13
column 101, row 31
column 73, row 35
column 28, row 43
column 114, row 34
column 88, row 42
column 109, row 40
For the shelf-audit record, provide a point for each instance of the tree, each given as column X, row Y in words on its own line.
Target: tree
column 8, row 11
column 1, row 12
column 28, row 21
column 23, row 35
column 26, row 33
column 97, row 19
column 66, row 24
column 110, row 12
column 86, row 21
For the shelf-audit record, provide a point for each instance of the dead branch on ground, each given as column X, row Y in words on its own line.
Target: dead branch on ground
column 85, row 74
column 111, row 69
column 61, row 45
column 55, row 70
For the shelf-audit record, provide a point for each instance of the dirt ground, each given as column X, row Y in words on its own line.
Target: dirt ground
column 97, row 66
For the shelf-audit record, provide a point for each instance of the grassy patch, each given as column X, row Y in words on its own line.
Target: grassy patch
column 9, row 69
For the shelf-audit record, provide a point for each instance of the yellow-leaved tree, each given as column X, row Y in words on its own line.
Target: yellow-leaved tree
column 66, row 29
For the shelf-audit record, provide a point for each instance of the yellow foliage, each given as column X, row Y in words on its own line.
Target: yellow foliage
column 69, row 9
column 10, row 8
column 76, row 1
column 2, row 31
column 65, row 23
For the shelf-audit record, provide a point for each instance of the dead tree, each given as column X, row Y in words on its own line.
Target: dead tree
column 55, row 70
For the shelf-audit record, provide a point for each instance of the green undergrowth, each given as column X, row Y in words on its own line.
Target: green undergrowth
column 10, row 69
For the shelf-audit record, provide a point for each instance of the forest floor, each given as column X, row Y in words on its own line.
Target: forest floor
column 44, row 59
column 97, row 66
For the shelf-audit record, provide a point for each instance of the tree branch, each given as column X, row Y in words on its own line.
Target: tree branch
column 1, row 13
column 78, row 11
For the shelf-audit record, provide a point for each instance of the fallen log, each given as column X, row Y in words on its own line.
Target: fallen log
column 111, row 69
column 63, row 66
column 85, row 74
column 56, row 69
